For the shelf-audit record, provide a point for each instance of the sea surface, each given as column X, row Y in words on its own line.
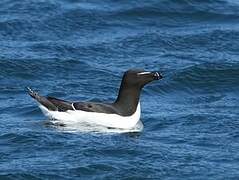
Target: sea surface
column 79, row 50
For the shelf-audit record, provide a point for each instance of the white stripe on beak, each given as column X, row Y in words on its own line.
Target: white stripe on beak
column 142, row 73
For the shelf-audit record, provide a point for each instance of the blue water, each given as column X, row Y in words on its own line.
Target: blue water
column 78, row 50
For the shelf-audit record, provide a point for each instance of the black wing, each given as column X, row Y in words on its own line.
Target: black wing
column 61, row 104
column 95, row 107
column 55, row 104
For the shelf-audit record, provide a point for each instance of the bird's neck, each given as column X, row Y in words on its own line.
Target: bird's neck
column 128, row 99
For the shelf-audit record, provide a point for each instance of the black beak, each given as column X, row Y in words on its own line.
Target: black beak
column 157, row 76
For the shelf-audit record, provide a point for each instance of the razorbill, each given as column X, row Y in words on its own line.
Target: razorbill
column 124, row 113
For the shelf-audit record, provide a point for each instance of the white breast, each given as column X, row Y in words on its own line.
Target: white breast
column 71, row 117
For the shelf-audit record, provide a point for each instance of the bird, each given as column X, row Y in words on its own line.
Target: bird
column 123, row 113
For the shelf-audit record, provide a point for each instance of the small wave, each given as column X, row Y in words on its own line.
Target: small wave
column 20, row 174
column 18, row 138
column 205, row 10
column 35, row 69
column 207, row 77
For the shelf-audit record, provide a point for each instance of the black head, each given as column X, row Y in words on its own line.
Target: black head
column 139, row 78
column 132, row 83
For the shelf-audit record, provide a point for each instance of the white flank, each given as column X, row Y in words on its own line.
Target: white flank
column 72, row 117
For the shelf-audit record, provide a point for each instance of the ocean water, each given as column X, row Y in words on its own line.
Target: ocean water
column 78, row 50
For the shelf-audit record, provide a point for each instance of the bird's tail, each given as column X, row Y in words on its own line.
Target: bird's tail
column 42, row 100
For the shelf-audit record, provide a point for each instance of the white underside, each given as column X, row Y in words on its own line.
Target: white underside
column 79, row 119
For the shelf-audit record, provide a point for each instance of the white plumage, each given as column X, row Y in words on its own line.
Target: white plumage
column 72, row 117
